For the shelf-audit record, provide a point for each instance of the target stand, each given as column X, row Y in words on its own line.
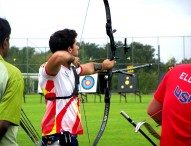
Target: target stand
column 101, row 86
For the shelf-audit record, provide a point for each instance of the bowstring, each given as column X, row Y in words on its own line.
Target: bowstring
column 83, row 27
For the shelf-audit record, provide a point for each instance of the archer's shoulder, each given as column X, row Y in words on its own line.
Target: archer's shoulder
column 43, row 65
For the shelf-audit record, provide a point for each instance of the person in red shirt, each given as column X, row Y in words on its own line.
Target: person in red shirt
column 173, row 98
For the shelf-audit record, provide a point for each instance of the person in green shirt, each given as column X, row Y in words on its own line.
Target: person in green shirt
column 11, row 91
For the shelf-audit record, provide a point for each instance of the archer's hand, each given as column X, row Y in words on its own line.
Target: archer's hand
column 76, row 61
column 108, row 64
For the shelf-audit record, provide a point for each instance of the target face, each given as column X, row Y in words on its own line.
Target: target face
column 87, row 82
column 127, row 84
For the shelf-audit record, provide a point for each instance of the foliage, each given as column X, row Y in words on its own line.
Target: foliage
column 172, row 62
column 91, row 52
column 28, row 60
column 148, row 81
column 142, row 53
column 186, row 61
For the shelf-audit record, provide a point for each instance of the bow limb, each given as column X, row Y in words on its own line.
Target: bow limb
column 151, row 130
column 148, row 126
column 109, row 29
column 108, row 76
column 133, row 123
column 30, row 130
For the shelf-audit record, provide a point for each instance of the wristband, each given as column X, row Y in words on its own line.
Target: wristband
column 97, row 66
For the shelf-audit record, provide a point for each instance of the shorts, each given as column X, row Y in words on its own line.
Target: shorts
column 9, row 139
column 66, row 139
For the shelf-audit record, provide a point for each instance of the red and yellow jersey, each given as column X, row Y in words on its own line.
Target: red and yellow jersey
column 61, row 114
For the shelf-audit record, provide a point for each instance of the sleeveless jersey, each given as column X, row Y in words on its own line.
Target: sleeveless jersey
column 61, row 114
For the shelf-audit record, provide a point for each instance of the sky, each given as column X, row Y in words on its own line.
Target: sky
column 134, row 19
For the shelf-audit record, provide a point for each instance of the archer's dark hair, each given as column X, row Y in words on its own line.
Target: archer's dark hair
column 5, row 29
column 62, row 39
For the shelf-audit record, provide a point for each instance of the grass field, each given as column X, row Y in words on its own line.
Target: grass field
column 118, row 132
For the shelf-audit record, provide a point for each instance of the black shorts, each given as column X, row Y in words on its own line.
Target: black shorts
column 55, row 139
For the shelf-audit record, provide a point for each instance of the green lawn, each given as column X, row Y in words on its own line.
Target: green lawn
column 118, row 132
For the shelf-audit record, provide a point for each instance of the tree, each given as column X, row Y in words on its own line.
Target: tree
column 91, row 52
column 13, row 55
column 186, row 61
column 171, row 62
column 29, row 60
column 142, row 53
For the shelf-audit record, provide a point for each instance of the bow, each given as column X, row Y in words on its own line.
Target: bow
column 148, row 126
column 150, row 129
column 108, row 76
column 133, row 123
column 30, row 130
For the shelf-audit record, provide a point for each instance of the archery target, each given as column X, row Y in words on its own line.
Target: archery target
column 88, row 84
column 127, row 84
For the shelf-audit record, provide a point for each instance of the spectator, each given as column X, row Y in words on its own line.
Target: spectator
column 11, row 91
column 173, row 98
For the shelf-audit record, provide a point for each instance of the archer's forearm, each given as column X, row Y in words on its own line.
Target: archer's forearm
column 88, row 68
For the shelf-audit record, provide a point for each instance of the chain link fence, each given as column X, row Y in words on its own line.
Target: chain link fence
column 166, row 47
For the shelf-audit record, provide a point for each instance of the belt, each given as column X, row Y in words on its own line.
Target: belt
column 58, row 135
